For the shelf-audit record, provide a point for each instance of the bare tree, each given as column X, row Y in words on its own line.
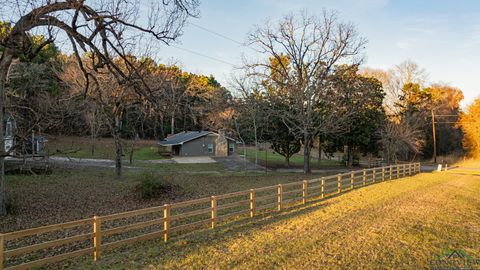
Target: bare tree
column 105, row 29
column 400, row 138
column 394, row 80
column 313, row 46
column 250, row 105
column 173, row 91
column 404, row 131
column 95, row 122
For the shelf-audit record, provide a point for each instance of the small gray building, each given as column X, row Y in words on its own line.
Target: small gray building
column 200, row 143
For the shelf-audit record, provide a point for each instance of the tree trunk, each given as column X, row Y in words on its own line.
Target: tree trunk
column 256, row 140
column 287, row 161
column 5, row 62
column 172, row 124
column 155, row 132
column 118, row 148
column 162, row 128
column 92, row 136
column 132, row 149
column 306, row 154
column 350, row 157
column 388, row 155
column 319, row 149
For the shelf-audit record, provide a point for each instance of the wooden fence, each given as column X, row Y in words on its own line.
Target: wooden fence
column 53, row 243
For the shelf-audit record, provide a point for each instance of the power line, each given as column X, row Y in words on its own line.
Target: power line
column 211, row 57
column 203, row 55
column 222, row 36
column 217, row 34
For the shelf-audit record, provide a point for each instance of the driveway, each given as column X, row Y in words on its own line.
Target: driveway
column 193, row 160
column 238, row 163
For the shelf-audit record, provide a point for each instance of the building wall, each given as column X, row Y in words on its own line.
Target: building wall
column 199, row 146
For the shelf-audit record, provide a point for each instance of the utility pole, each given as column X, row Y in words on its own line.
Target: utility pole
column 434, row 139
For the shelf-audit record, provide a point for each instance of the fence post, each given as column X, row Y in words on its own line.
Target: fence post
column 252, row 202
column 364, row 177
column 166, row 222
column 383, row 173
column 97, row 238
column 323, row 187
column 339, row 179
column 446, row 167
column 279, row 197
column 398, row 171
column 352, row 180
column 374, row 174
column 390, row 172
column 304, row 191
column 214, row 211
column 2, row 250
column 404, row 169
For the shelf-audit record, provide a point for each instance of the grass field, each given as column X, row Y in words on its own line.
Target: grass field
column 275, row 160
column 400, row 224
column 81, row 147
column 191, row 168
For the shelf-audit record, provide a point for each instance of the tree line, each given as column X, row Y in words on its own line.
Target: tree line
column 297, row 98
column 310, row 89
column 307, row 86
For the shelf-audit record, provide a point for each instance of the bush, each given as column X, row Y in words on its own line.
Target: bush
column 153, row 185
column 11, row 206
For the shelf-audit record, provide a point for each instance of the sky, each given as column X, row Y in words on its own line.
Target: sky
column 441, row 36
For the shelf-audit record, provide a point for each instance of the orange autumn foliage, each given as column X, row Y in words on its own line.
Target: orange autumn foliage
column 470, row 124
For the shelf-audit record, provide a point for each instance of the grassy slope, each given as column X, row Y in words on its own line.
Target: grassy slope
column 399, row 224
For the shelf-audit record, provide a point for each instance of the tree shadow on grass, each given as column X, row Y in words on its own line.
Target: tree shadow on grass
column 156, row 251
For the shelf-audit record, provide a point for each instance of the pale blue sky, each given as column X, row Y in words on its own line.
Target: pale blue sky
column 442, row 36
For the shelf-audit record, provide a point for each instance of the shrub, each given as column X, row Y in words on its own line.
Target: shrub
column 153, row 185
column 11, row 206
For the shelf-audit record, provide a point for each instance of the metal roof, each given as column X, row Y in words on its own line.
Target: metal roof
column 183, row 137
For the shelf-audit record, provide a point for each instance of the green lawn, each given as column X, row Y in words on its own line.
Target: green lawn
column 81, row 147
column 276, row 160
column 400, row 224
column 179, row 168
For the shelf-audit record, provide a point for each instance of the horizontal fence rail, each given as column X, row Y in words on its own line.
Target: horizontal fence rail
column 53, row 243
